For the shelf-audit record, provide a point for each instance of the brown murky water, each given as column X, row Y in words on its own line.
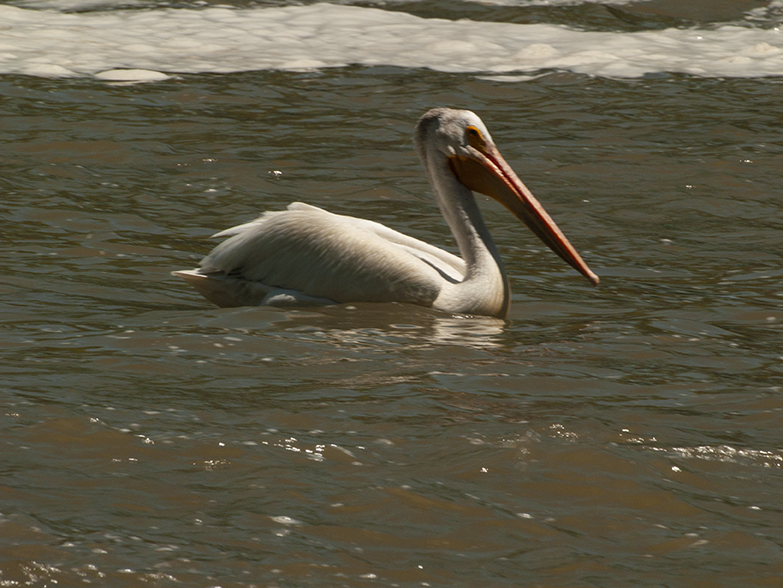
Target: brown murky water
column 628, row 435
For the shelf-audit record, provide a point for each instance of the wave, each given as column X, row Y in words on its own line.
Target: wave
column 153, row 44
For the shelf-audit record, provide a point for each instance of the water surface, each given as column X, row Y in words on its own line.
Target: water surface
column 626, row 435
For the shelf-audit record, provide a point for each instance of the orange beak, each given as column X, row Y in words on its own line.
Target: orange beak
column 489, row 174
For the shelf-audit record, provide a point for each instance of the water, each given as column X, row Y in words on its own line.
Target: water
column 626, row 435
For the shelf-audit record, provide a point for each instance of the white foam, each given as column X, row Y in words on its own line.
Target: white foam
column 553, row 2
column 222, row 40
column 770, row 14
column 131, row 75
column 91, row 4
column 79, row 4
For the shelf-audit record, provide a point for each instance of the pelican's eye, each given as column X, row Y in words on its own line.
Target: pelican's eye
column 475, row 138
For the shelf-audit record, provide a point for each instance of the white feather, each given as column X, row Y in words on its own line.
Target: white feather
column 319, row 257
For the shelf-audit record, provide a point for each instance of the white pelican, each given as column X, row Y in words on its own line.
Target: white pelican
column 306, row 255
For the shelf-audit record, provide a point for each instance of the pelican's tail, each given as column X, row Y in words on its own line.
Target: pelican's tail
column 227, row 291
column 224, row 290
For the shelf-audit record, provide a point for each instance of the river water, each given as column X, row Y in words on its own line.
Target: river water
column 625, row 435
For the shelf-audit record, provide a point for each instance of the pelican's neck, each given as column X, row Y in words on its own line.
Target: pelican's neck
column 485, row 287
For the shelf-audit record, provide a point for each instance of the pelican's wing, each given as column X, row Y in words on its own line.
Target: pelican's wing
column 448, row 265
column 307, row 252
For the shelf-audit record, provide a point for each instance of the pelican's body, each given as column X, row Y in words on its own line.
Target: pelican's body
column 306, row 255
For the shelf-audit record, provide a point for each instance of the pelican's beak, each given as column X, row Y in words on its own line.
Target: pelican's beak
column 486, row 172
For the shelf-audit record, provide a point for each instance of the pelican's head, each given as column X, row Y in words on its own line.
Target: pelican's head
column 450, row 131
column 463, row 139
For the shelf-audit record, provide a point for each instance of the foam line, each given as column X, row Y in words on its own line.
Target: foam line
column 223, row 40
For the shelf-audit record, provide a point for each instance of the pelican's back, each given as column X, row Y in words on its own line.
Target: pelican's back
column 312, row 255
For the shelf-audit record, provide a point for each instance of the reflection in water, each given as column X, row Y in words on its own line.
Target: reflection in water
column 479, row 332
column 377, row 325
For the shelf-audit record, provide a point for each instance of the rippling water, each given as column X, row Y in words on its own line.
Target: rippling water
column 626, row 435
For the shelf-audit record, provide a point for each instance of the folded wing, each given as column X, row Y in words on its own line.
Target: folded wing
column 307, row 255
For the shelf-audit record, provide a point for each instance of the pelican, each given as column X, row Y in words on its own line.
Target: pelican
column 307, row 256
